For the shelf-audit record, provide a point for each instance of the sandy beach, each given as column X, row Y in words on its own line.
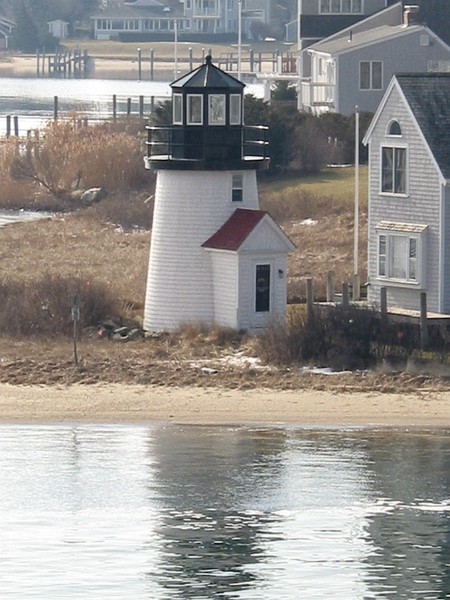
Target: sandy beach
column 123, row 403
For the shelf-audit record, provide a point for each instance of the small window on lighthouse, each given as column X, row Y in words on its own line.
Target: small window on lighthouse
column 194, row 109
column 178, row 109
column 237, row 188
column 216, row 109
column 235, row 109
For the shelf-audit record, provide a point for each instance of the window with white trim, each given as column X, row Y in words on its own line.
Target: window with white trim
column 341, row 7
column 400, row 254
column 216, row 109
column 371, row 75
column 237, row 187
column 178, row 109
column 393, row 170
column 195, row 109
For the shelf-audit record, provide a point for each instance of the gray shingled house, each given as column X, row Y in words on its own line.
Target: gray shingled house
column 355, row 66
column 409, row 193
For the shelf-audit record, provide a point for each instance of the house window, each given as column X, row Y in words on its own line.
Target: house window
column 371, row 75
column 235, row 109
column 393, row 170
column 262, row 291
column 398, row 256
column 237, row 187
column 394, row 128
column 177, row 109
column 194, row 109
column 216, row 109
column 341, row 7
column 188, row 4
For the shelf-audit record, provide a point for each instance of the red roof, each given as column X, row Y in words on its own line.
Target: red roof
column 236, row 230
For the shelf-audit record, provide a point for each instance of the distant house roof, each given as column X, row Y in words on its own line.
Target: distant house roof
column 208, row 76
column 428, row 95
column 236, row 230
column 135, row 11
column 339, row 45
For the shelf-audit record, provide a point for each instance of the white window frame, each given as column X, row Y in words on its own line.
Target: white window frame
column 216, row 109
column 371, row 87
column 327, row 7
column 190, row 99
column 237, row 187
column 177, row 115
column 412, row 262
column 393, row 192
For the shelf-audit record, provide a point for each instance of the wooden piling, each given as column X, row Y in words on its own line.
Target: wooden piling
column 423, row 320
column 141, row 107
column 8, row 126
column 139, row 59
column 330, row 286
column 191, row 60
column 128, row 107
column 16, row 125
column 345, row 296
column 309, row 299
column 114, row 107
column 152, row 66
column 55, row 108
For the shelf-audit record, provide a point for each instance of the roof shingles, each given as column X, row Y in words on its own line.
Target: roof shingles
column 428, row 95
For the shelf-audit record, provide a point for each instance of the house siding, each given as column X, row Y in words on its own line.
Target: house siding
column 446, row 250
column 398, row 55
column 421, row 206
column 225, row 268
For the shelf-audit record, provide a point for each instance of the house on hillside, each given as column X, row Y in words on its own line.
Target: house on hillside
column 355, row 66
column 155, row 20
column 409, row 193
column 58, row 28
column 319, row 19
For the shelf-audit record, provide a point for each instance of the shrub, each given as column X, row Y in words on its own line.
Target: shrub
column 42, row 307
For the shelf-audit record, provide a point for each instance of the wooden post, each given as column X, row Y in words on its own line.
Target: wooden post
column 251, row 59
column 191, row 60
column 345, row 295
column 423, row 320
column 152, row 104
column 330, row 286
column 139, row 57
column 356, row 288
column 128, row 107
column 55, row 108
column 8, row 126
column 309, row 299
column 141, row 107
column 16, row 125
column 114, row 107
column 152, row 55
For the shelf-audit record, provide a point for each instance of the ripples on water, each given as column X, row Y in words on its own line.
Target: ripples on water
column 103, row 512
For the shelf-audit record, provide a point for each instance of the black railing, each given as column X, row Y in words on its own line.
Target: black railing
column 207, row 144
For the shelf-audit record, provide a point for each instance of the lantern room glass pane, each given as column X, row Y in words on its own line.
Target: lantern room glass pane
column 216, row 111
column 177, row 109
column 235, row 109
column 195, row 109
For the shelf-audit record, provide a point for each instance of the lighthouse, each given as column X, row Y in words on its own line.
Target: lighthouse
column 215, row 258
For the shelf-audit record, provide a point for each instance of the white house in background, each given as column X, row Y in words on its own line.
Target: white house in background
column 6, row 32
column 215, row 258
column 409, row 193
column 354, row 67
column 58, row 28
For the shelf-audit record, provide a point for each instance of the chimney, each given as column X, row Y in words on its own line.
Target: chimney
column 410, row 15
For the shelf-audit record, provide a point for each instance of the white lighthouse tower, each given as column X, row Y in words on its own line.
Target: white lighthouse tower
column 215, row 258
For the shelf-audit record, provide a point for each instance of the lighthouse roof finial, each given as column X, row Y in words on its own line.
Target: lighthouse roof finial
column 208, row 76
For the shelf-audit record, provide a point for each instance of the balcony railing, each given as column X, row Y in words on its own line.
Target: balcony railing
column 211, row 144
column 317, row 95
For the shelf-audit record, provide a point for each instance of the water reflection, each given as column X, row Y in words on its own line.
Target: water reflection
column 189, row 512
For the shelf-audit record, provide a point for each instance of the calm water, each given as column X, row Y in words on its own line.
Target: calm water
column 31, row 99
column 153, row 512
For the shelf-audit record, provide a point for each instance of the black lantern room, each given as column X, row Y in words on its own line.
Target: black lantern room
column 207, row 128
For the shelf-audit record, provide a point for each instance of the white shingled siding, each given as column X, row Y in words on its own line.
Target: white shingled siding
column 225, row 267
column 421, row 206
column 446, row 250
column 190, row 206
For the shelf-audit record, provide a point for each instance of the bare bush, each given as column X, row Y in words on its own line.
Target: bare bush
column 42, row 307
